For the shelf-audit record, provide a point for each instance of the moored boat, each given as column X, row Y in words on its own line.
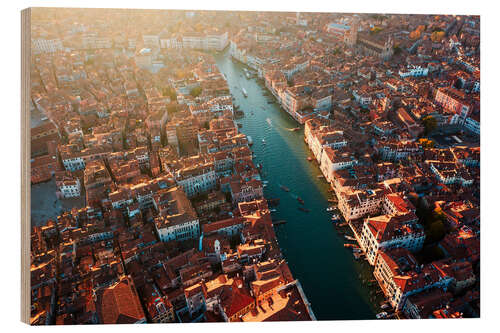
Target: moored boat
column 381, row 315
column 335, row 218
column 385, row 306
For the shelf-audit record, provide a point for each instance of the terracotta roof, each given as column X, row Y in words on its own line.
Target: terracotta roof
column 119, row 304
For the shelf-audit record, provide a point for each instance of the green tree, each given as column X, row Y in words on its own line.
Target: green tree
column 172, row 108
column 170, row 92
column 436, row 231
column 430, row 124
column 195, row 92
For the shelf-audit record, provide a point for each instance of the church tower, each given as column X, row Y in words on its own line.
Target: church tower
column 388, row 50
column 351, row 36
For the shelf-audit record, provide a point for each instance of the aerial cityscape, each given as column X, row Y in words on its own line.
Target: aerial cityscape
column 218, row 166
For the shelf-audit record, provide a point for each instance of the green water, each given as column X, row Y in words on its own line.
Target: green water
column 330, row 276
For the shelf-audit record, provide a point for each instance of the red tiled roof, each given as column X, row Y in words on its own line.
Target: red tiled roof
column 119, row 304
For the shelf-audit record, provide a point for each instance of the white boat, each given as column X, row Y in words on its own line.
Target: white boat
column 330, row 209
column 381, row 315
column 263, row 141
column 385, row 306
column 244, row 92
column 250, row 141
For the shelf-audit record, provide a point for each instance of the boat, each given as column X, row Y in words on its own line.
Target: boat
column 385, row 306
column 335, row 218
column 381, row 315
column 284, row 188
column 350, row 238
column 331, row 209
column 295, row 129
column 299, row 199
column 332, row 200
column 349, row 245
column 309, row 158
column 272, row 210
column 320, row 176
column 263, row 141
column 304, row 209
column 244, row 92
column 250, row 141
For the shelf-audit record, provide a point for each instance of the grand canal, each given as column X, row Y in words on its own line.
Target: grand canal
column 331, row 278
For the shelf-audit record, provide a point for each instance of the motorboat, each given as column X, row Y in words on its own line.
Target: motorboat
column 381, row 315
column 284, row 188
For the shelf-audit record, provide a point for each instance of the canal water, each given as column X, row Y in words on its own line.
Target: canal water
column 314, row 250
